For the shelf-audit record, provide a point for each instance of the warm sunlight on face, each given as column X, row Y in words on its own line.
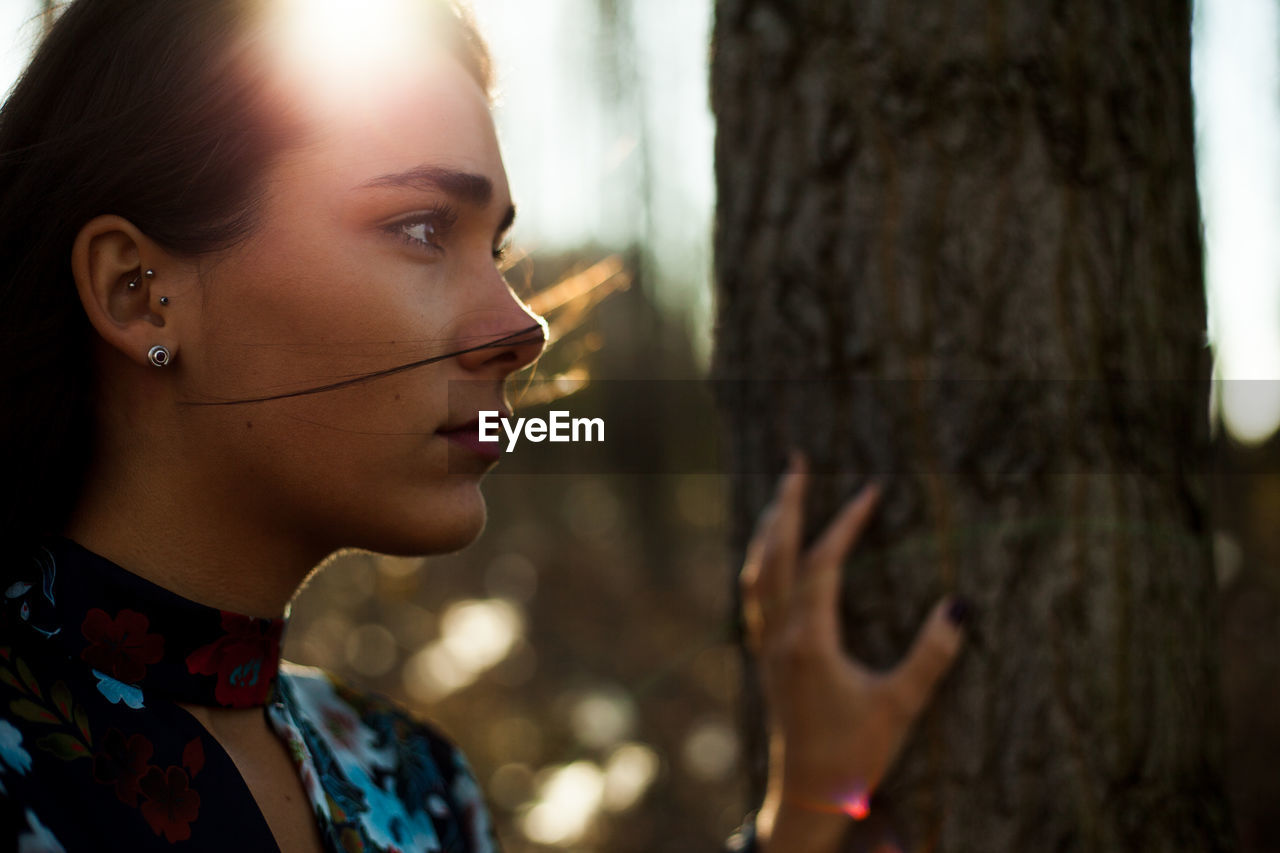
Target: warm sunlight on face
column 341, row 45
column 336, row 29
column 373, row 259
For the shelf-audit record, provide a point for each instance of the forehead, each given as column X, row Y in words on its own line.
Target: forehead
column 385, row 113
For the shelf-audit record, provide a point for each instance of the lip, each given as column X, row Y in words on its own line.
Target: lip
column 467, row 436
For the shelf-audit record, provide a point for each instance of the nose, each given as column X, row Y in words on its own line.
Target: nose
column 504, row 340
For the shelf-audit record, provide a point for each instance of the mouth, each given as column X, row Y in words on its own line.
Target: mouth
column 467, row 436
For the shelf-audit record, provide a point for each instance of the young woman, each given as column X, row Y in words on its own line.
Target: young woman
column 251, row 311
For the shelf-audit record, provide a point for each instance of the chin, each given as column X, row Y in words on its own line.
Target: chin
column 437, row 530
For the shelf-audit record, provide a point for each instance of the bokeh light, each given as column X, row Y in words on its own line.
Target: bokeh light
column 603, row 717
column 711, row 750
column 628, row 773
column 568, row 799
column 474, row 636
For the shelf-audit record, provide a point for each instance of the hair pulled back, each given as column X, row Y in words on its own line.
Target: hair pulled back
column 154, row 110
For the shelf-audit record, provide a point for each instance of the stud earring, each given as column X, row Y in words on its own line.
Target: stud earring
column 164, row 300
column 148, row 274
column 159, row 355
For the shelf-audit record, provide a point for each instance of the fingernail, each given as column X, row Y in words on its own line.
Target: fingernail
column 959, row 611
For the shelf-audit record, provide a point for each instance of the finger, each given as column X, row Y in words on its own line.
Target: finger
column 818, row 593
column 932, row 654
column 753, row 560
column 788, row 529
column 758, row 579
column 844, row 530
column 775, row 548
column 751, row 578
column 753, row 620
column 771, row 556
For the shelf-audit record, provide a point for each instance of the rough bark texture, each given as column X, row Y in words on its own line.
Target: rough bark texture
column 974, row 225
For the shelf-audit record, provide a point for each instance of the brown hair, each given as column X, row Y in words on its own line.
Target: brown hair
column 152, row 110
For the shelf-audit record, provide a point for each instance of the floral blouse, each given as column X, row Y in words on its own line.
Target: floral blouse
column 96, row 753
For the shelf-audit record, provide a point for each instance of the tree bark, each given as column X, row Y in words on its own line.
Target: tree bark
column 958, row 248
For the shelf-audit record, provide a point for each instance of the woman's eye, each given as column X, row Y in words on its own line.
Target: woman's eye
column 420, row 232
column 427, row 230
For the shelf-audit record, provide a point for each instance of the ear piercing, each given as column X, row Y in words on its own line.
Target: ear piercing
column 148, row 274
column 159, row 355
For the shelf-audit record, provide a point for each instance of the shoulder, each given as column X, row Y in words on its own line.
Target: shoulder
column 373, row 741
column 320, row 693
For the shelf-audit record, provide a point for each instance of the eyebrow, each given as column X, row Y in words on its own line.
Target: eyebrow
column 476, row 189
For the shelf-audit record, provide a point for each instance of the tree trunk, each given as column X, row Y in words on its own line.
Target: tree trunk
column 958, row 248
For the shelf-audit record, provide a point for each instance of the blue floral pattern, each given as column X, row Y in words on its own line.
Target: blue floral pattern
column 378, row 770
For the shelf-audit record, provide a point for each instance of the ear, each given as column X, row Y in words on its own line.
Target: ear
column 109, row 260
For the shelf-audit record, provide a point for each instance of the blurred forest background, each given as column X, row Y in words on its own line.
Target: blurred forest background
column 582, row 651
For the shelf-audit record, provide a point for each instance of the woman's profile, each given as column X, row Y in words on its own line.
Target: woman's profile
column 252, row 308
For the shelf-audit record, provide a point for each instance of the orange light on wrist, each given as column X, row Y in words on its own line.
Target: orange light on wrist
column 856, row 806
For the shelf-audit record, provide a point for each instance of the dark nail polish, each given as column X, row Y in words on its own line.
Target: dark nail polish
column 959, row 611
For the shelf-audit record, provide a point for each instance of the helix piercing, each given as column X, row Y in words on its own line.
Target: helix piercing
column 159, row 355
column 133, row 285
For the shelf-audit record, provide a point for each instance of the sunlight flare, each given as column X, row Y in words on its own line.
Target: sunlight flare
column 342, row 31
column 335, row 52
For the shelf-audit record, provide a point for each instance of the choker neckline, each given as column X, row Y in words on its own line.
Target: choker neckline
column 137, row 637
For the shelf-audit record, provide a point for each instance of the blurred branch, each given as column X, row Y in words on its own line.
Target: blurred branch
column 565, row 304
column 550, row 390
column 572, row 297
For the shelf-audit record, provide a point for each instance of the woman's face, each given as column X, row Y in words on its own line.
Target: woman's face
column 376, row 249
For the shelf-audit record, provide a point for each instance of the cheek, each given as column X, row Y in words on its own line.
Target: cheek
column 317, row 337
column 349, row 438
column 338, row 473
column 302, row 317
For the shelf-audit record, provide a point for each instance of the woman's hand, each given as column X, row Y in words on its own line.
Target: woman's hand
column 835, row 726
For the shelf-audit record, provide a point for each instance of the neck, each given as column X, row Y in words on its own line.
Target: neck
column 194, row 548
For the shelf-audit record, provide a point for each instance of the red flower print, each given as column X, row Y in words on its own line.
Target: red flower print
column 245, row 660
column 193, row 756
column 122, row 763
column 120, row 647
column 171, row 805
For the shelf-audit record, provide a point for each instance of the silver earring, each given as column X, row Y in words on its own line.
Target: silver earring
column 133, row 285
column 159, row 355
column 164, row 300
